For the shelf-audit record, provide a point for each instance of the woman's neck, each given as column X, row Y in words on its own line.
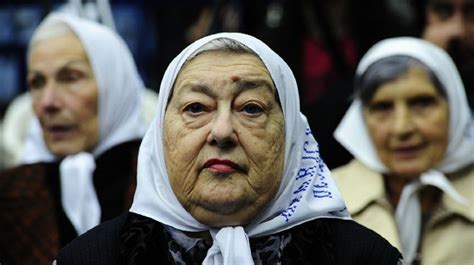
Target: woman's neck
column 430, row 196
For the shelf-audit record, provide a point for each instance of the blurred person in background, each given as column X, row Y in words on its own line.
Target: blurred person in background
column 412, row 176
column 450, row 25
column 81, row 149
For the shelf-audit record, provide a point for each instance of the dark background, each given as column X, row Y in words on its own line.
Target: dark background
column 321, row 40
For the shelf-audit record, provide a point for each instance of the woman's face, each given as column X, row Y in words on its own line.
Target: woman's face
column 408, row 122
column 65, row 95
column 224, row 138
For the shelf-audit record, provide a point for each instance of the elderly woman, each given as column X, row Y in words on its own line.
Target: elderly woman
column 412, row 177
column 82, row 148
column 229, row 173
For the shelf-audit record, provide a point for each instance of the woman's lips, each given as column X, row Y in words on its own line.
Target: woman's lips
column 58, row 132
column 409, row 151
column 222, row 166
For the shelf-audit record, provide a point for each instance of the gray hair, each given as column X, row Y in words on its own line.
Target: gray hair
column 389, row 69
column 221, row 44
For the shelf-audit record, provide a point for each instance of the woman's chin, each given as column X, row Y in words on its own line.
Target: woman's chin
column 222, row 214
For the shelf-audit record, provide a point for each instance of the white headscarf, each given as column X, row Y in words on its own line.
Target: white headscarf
column 307, row 190
column 352, row 132
column 120, row 117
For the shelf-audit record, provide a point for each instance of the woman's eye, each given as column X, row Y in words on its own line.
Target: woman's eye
column 195, row 108
column 252, row 109
column 422, row 102
column 69, row 76
column 37, row 82
column 380, row 107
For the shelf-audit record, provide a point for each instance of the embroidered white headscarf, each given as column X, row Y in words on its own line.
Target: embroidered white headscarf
column 120, row 117
column 353, row 134
column 307, row 190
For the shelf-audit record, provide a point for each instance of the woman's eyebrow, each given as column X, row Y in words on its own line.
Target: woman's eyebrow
column 64, row 65
column 239, row 86
column 247, row 84
column 202, row 88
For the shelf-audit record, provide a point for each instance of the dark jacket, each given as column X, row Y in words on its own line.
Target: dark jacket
column 134, row 239
column 33, row 225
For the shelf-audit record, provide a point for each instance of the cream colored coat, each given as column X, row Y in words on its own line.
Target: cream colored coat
column 448, row 237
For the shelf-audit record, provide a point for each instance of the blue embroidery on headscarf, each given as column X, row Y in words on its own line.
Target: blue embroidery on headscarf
column 306, row 174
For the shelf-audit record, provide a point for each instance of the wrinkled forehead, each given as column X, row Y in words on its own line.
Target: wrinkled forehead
column 218, row 53
column 285, row 85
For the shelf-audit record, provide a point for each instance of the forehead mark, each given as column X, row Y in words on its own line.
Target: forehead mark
column 235, row 78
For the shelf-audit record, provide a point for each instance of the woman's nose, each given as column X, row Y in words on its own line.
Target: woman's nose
column 403, row 121
column 222, row 133
column 50, row 97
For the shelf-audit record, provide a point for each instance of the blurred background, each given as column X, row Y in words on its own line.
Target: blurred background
column 321, row 40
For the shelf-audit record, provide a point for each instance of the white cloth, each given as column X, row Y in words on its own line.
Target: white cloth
column 78, row 197
column 352, row 132
column 307, row 190
column 120, row 115
column 408, row 212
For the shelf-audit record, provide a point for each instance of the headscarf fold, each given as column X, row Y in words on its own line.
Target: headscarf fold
column 353, row 134
column 120, row 116
column 307, row 190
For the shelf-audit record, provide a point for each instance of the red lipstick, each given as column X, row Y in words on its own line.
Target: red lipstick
column 222, row 166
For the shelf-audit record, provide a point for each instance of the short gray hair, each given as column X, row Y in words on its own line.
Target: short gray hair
column 389, row 69
column 221, row 44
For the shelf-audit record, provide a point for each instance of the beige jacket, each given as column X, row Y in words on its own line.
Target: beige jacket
column 449, row 235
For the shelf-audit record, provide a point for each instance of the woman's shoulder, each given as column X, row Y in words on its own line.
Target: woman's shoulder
column 99, row 245
column 130, row 238
column 27, row 178
column 463, row 181
column 350, row 232
column 347, row 242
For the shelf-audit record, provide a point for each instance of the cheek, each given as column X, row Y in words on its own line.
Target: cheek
column 86, row 114
column 83, row 110
column 266, row 166
column 378, row 133
column 180, row 143
column 437, row 132
column 181, row 149
column 270, row 173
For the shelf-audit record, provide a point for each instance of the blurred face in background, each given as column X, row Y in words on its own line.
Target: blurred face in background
column 224, row 138
column 452, row 20
column 450, row 25
column 408, row 120
column 65, row 94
